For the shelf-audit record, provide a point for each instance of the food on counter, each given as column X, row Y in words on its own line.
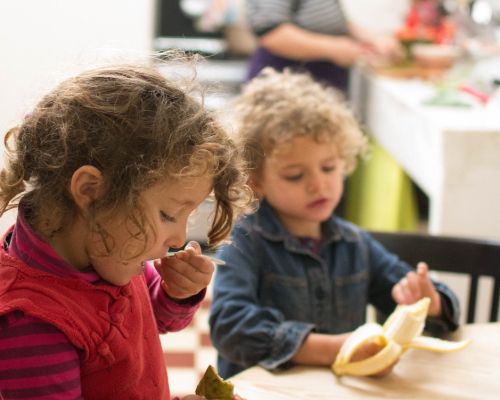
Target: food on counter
column 212, row 386
column 425, row 23
column 401, row 331
column 435, row 55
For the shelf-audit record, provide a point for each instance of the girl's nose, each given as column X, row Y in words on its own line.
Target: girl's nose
column 176, row 236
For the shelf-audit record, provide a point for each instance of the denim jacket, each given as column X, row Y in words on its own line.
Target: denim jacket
column 273, row 291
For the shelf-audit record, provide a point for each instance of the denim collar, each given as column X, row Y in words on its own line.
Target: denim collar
column 334, row 229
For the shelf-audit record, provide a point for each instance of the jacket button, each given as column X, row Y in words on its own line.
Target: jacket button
column 103, row 349
column 125, row 291
column 117, row 318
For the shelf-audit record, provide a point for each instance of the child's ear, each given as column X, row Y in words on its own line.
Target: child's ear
column 86, row 183
column 255, row 184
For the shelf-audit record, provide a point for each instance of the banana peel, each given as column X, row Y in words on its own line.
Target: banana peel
column 212, row 386
column 400, row 332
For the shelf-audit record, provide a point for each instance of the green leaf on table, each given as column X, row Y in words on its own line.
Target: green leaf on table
column 446, row 99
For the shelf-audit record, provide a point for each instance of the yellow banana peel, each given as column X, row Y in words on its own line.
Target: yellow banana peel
column 401, row 331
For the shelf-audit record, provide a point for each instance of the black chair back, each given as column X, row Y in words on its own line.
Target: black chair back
column 473, row 257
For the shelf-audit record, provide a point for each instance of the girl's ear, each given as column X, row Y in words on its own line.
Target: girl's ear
column 86, row 184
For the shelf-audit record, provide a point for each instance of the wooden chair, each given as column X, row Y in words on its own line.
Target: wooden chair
column 473, row 257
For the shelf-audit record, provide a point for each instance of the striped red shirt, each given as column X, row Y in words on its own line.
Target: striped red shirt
column 37, row 361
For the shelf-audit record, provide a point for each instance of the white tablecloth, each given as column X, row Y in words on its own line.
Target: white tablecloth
column 453, row 154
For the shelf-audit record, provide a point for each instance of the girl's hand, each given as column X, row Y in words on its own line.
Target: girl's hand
column 186, row 274
column 415, row 286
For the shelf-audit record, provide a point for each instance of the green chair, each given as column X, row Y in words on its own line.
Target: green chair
column 380, row 196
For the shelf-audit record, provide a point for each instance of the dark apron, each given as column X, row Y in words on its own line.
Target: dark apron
column 323, row 71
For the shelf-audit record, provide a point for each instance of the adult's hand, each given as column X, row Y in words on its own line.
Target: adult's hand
column 346, row 51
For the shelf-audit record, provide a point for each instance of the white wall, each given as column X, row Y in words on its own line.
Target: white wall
column 42, row 42
column 380, row 15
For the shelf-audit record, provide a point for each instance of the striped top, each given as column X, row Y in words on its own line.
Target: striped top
column 319, row 16
column 37, row 361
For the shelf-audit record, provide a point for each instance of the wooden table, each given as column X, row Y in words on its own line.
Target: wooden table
column 451, row 153
column 470, row 374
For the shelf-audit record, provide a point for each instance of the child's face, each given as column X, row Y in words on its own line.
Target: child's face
column 303, row 182
column 169, row 206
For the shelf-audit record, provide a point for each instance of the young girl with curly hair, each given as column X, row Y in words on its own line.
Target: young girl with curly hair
column 105, row 173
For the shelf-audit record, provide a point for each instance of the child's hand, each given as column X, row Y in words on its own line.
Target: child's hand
column 369, row 349
column 415, row 286
column 186, row 274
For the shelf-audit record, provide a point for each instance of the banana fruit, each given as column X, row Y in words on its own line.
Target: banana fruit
column 400, row 332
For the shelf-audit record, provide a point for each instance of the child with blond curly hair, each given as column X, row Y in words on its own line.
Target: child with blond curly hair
column 105, row 173
column 297, row 278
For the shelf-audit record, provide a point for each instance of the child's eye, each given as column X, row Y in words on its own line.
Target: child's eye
column 165, row 217
column 293, row 177
column 329, row 168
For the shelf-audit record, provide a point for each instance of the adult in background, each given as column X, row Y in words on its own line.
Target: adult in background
column 314, row 36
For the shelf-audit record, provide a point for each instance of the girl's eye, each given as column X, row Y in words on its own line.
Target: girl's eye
column 165, row 217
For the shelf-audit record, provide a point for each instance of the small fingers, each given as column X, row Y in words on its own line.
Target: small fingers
column 414, row 285
column 426, row 286
column 197, row 269
column 399, row 295
column 193, row 247
column 428, row 289
column 422, row 269
column 407, row 290
column 181, row 278
column 192, row 255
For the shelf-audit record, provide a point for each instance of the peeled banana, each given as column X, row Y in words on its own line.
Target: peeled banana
column 401, row 331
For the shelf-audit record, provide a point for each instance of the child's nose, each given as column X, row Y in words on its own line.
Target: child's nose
column 176, row 238
column 316, row 183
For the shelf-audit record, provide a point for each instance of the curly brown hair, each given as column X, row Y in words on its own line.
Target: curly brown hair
column 276, row 107
column 138, row 128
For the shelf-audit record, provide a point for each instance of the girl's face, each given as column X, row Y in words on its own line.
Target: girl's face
column 169, row 206
column 303, row 183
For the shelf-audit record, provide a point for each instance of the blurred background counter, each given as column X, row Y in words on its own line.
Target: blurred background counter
column 452, row 153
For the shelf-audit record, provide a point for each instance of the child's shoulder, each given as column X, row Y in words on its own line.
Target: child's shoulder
column 260, row 222
column 348, row 230
column 245, row 223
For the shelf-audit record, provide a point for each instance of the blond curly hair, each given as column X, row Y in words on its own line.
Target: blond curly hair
column 276, row 107
column 138, row 128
